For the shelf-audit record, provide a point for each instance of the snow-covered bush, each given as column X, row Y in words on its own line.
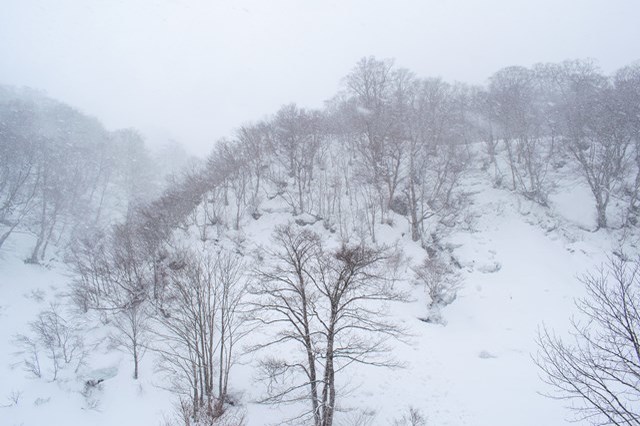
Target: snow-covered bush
column 413, row 417
column 440, row 281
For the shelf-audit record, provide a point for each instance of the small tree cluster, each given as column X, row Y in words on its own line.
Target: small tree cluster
column 198, row 329
column 441, row 284
column 114, row 276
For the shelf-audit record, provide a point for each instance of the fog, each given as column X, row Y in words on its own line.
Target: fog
column 194, row 70
column 256, row 212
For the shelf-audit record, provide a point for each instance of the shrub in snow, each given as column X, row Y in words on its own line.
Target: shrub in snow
column 399, row 205
column 13, row 399
column 413, row 417
column 188, row 415
column 92, row 388
column 440, row 281
column 486, row 355
column 41, row 401
column 490, row 268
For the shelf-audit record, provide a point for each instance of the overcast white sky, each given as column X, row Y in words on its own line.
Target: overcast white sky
column 193, row 70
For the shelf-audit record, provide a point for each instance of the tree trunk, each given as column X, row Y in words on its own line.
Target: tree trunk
column 512, row 165
column 36, row 250
column 413, row 206
column 601, row 208
column 221, row 366
column 602, row 215
column 329, row 390
column 300, row 193
column 311, row 360
column 135, row 361
column 5, row 236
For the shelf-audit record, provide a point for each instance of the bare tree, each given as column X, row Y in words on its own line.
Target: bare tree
column 287, row 297
column 352, row 282
column 231, row 283
column 627, row 94
column 254, row 141
column 598, row 370
column 483, row 127
column 329, row 304
column 18, row 166
column 515, row 109
column 437, row 159
column 232, row 169
column 114, row 277
column 132, row 323
column 370, row 87
column 296, row 136
column 199, row 327
column 592, row 135
column 187, row 329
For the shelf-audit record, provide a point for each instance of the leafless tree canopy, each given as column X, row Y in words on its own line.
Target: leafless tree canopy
column 199, row 326
column 328, row 306
column 597, row 370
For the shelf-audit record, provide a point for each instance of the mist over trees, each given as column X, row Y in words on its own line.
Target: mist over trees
column 63, row 173
column 390, row 141
column 568, row 112
column 389, row 148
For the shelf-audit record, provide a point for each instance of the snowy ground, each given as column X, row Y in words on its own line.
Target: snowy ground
column 520, row 264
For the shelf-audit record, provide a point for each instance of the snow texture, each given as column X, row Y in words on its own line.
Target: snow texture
column 519, row 264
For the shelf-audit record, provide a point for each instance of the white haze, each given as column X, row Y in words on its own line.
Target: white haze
column 193, row 70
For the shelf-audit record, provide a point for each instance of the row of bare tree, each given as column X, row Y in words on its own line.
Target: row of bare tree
column 192, row 306
column 181, row 303
column 570, row 112
column 392, row 142
column 389, row 141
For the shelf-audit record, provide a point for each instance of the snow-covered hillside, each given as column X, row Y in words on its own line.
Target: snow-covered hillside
column 518, row 264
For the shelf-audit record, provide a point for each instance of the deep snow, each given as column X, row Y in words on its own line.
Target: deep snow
column 519, row 267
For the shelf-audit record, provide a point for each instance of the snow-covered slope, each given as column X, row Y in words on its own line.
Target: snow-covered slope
column 519, row 264
column 25, row 290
